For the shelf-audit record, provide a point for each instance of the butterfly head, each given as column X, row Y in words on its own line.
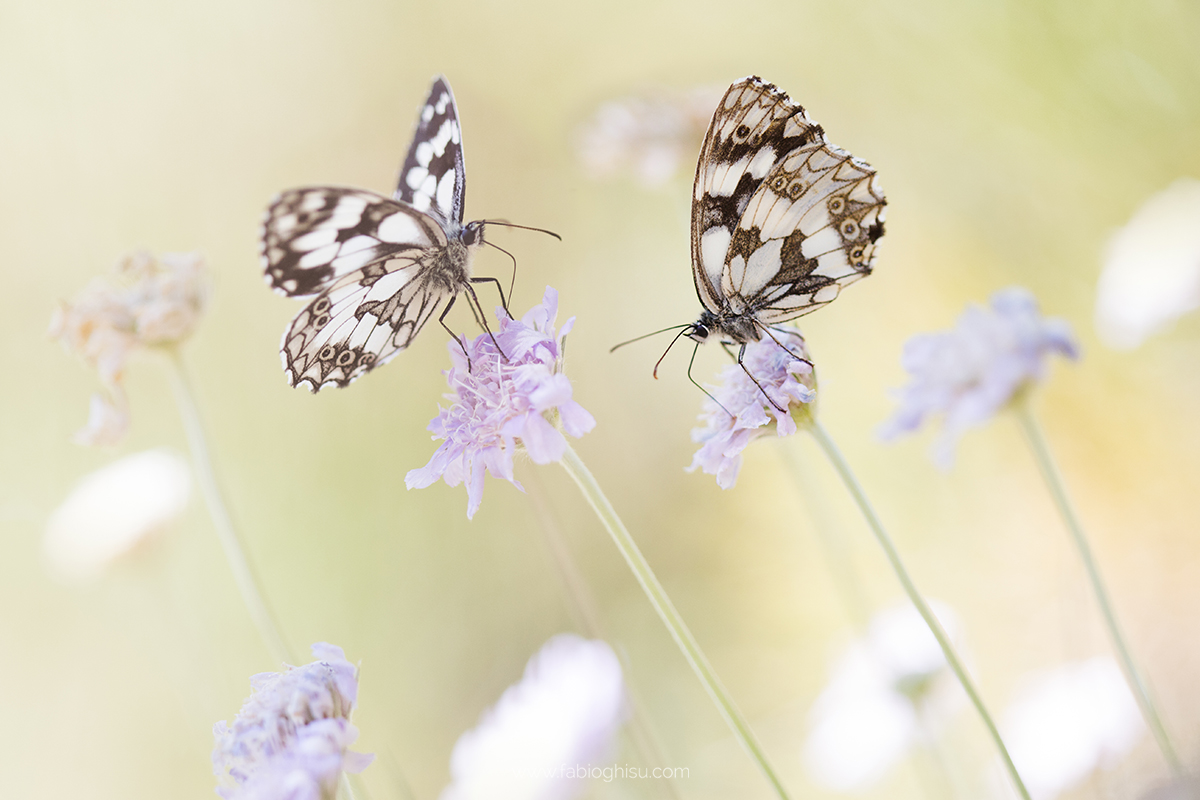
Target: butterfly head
column 737, row 328
column 472, row 233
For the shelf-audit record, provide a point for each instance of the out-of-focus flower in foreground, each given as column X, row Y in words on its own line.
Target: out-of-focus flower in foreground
column 500, row 404
column 1069, row 721
column 546, row 730
column 649, row 135
column 113, row 510
column 889, row 689
column 147, row 302
column 741, row 412
column 970, row 373
column 290, row 740
column 1151, row 270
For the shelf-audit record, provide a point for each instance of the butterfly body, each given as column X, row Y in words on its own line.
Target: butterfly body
column 379, row 267
column 781, row 218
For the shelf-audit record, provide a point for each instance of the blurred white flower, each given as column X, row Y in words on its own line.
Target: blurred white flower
column 1151, row 270
column 648, row 135
column 145, row 303
column 888, row 690
column 110, row 511
column 1069, row 721
column 558, row 720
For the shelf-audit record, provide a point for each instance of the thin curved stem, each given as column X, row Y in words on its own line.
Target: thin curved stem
column 856, row 491
column 235, row 553
column 667, row 613
column 1052, row 476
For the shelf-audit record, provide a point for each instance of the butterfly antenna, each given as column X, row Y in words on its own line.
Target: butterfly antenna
column 647, row 336
column 513, row 282
column 672, row 344
column 522, row 227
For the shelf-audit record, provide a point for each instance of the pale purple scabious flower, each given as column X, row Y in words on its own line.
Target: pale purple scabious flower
column 502, row 403
column 744, row 413
column 970, row 373
column 290, row 740
column 546, row 731
column 146, row 302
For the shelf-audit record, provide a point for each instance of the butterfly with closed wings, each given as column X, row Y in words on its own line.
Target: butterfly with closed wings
column 379, row 267
column 782, row 219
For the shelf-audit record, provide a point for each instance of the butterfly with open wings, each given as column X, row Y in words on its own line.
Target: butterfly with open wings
column 379, row 267
column 782, row 219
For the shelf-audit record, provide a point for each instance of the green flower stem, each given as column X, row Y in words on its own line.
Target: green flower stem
column 247, row 583
column 587, row 617
column 843, row 469
column 838, row 560
column 1054, row 481
column 670, row 617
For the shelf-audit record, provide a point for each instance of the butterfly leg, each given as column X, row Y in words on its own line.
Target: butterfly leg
column 742, row 364
column 692, row 361
column 499, row 288
column 453, row 335
column 790, row 353
column 481, row 318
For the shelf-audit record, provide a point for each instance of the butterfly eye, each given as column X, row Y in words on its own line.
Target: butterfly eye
column 321, row 306
column 366, row 359
column 327, row 352
column 321, row 321
column 346, row 358
column 856, row 255
column 850, row 229
column 837, row 205
column 742, row 132
column 779, row 182
column 796, row 188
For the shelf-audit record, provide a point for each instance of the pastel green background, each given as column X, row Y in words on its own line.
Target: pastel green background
column 1011, row 138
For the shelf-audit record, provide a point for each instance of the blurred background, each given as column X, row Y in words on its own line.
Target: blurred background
column 1012, row 138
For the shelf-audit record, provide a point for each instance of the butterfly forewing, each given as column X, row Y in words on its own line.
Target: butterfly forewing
column 433, row 178
column 754, row 127
column 315, row 235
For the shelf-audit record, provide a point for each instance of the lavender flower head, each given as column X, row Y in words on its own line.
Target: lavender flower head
column 147, row 302
column 501, row 405
column 970, row 373
column 290, row 740
column 744, row 413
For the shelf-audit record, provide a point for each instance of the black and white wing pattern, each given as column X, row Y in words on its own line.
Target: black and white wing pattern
column 432, row 178
column 378, row 267
column 781, row 218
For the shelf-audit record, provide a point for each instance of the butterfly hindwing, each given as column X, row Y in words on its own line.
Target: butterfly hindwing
column 313, row 236
column 433, row 178
column 754, row 127
column 360, row 322
column 809, row 229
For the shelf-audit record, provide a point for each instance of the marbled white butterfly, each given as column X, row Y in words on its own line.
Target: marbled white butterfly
column 782, row 219
column 379, row 267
